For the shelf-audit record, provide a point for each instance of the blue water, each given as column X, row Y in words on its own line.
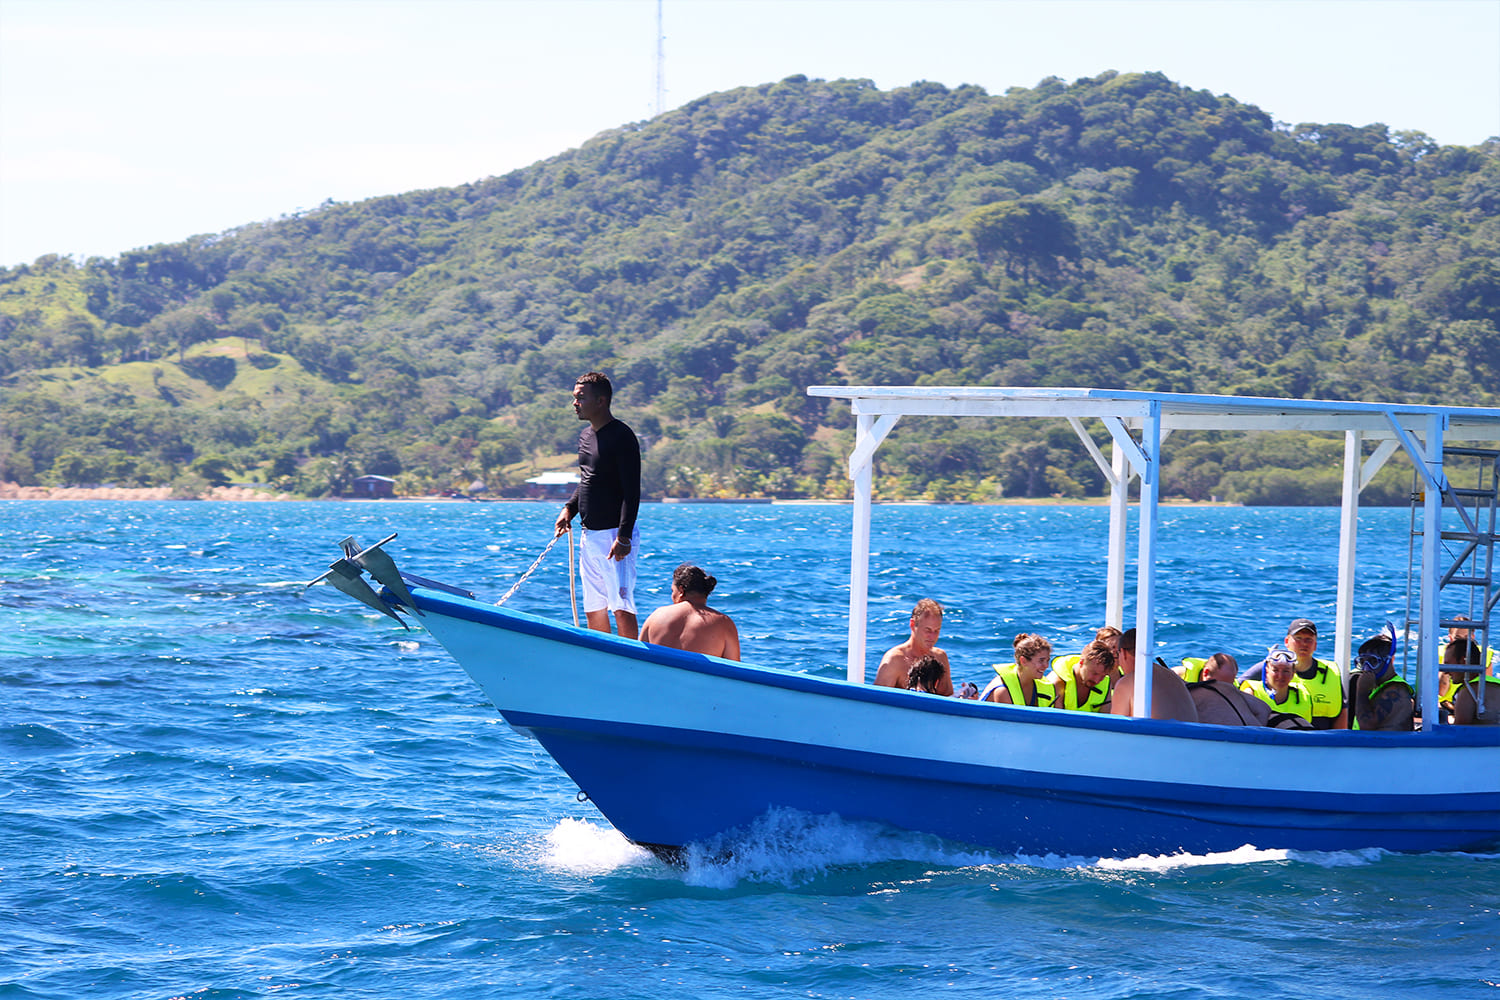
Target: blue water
column 215, row 786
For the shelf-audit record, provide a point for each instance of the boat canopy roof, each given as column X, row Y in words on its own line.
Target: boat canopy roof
column 1138, row 423
column 1178, row 410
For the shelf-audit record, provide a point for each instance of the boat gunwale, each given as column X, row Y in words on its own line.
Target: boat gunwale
column 484, row 614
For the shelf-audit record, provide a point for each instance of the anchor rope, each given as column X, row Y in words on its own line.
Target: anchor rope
column 572, row 579
column 517, row 585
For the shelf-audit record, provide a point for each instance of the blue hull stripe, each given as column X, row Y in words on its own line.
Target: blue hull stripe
column 672, row 786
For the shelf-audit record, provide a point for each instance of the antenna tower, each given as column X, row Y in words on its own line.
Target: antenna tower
column 661, row 63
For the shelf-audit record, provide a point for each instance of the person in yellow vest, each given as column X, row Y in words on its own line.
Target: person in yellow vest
column 1109, row 636
column 1020, row 683
column 1475, row 698
column 1382, row 700
column 1457, row 633
column 1289, row 698
column 1084, row 687
column 1219, row 701
column 1191, row 668
column 1320, row 677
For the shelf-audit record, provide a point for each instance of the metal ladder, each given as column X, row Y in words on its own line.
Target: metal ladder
column 1469, row 537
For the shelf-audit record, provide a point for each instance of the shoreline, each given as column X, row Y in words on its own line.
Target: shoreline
column 11, row 491
column 244, row 494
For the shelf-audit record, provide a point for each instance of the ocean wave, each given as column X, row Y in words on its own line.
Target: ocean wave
column 579, row 847
column 789, row 848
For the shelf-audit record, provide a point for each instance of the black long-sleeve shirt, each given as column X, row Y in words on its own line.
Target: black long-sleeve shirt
column 609, row 479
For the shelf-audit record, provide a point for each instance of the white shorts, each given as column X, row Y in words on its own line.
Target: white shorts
column 607, row 585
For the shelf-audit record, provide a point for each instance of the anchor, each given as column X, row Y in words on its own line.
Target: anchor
column 347, row 575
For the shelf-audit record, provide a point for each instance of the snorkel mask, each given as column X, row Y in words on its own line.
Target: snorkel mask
column 1378, row 653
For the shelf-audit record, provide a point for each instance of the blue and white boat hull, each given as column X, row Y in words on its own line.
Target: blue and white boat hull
column 677, row 748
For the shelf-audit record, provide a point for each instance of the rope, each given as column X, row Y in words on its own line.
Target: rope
column 572, row 579
column 516, row 586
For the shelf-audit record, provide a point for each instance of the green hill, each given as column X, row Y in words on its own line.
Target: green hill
column 1116, row 231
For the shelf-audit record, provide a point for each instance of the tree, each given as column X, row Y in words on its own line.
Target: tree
column 1029, row 234
column 214, row 469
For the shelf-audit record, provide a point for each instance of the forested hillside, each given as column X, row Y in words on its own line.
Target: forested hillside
column 1121, row 231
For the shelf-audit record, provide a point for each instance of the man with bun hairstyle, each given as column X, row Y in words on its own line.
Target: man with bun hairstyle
column 688, row 622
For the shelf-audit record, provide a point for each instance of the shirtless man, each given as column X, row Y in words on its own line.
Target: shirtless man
column 896, row 664
column 1219, row 702
column 688, row 622
column 1169, row 695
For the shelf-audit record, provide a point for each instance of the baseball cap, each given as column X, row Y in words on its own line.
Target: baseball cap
column 1301, row 625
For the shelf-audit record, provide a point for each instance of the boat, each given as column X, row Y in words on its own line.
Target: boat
column 677, row 749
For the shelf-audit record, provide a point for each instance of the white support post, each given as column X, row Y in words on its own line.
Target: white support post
column 1119, row 504
column 1432, row 526
column 859, row 558
column 1343, row 625
column 1145, row 580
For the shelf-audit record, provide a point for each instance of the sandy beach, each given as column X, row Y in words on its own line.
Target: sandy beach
column 11, row 491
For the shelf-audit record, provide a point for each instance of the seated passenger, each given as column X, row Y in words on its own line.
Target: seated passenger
column 1019, row 683
column 924, row 675
column 1476, row 698
column 1291, row 705
column 926, row 627
column 1110, row 637
column 1477, row 703
column 1169, row 695
column 688, row 622
column 1218, row 701
column 1462, row 656
column 1382, row 700
column 1191, row 669
column 1320, row 677
column 1458, row 632
column 1084, row 687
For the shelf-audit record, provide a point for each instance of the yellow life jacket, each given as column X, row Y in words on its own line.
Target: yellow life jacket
column 1446, row 690
column 1192, row 668
column 1093, row 699
column 1489, row 658
column 1298, row 700
column 1325, row 687
column 1062, row 666
column 1395, row 678
column 1010, row 676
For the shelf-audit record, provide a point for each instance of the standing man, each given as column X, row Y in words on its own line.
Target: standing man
column 607, row 498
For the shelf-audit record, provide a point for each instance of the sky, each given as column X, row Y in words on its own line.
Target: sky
column 126, row 123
